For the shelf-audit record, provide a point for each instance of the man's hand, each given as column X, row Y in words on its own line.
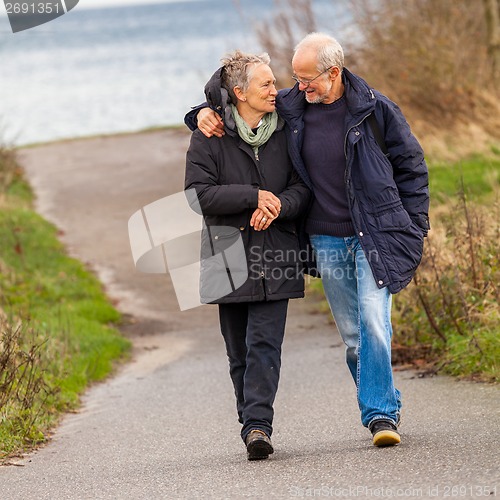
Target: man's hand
column 210, row 123
column 269, row 204
column 260, row 221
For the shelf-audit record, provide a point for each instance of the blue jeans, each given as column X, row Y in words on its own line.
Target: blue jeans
column 362, row 313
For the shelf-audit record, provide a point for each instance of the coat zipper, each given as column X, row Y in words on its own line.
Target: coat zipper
column 347, row 182
column 347, row 133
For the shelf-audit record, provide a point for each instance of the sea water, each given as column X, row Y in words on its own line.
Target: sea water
column 125, row 68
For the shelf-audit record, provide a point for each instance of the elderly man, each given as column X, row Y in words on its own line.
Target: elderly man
column 353, row 147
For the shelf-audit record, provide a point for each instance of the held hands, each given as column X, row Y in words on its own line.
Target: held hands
column 260, row 221
column 269, row 207
column 210, row 123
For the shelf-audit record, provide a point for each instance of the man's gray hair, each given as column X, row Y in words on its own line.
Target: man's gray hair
column 238, row 70
column 329, row 51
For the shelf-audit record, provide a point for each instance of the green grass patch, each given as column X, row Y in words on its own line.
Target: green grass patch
column 58, row 328
column 478, row 175
column 476, row 356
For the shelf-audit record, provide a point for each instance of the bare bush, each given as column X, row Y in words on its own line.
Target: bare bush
column 23, row 386
column 430, row 57
column 492, row 13
column 9, row 168
column 452, row 306
column 292, row 20
column 436, row 59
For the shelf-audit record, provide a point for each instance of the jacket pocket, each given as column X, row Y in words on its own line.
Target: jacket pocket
column 401, row 238
column 394, row 219
column 281, row 261
column 223, row 237
column 223, row 264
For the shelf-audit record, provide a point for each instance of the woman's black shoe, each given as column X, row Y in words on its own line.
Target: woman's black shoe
column 258, row 444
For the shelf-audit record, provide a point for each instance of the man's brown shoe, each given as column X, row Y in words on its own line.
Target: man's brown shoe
column 258, row 444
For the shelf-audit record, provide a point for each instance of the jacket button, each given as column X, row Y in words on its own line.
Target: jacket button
column 216, row 237
column 361, row 233
column 356, row 133
column 380, row 282
column 242, row 228
column 295, row 131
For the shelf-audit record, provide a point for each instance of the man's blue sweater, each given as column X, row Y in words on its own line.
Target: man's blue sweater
column 323, row 154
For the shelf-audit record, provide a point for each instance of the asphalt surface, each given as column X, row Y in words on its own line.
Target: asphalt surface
column 165, row 425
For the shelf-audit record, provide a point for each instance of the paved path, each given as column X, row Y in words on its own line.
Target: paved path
column 165, row 426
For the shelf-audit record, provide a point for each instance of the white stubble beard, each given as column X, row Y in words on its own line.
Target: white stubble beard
column 320, row 97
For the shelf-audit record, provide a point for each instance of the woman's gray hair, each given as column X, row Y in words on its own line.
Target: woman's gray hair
column 238, row 70
column 329, row 51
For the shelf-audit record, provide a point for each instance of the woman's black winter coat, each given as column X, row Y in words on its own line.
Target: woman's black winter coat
column 227, row 175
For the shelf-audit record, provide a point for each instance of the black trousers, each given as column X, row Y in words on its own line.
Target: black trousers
column 253, row 332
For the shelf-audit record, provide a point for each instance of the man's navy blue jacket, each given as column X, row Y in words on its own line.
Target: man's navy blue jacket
column 388, row 196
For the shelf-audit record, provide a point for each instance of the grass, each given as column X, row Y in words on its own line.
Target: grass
column 479, row 174
column 58, row 328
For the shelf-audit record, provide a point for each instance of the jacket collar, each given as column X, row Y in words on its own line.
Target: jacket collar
column 291, row 103
column 360, row 97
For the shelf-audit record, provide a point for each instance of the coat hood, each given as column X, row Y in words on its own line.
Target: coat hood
column 360, row 96
column 218, row 98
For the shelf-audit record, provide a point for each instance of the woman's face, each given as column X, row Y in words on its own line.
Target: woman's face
column 261, row 93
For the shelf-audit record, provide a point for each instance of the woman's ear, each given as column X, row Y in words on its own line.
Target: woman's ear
column 240, row 95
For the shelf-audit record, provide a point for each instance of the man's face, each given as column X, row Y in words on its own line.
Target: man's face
column 305, row 68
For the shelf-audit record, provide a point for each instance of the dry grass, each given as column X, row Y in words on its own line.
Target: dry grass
column 432, row 59
column 452, row 308
column 24, row 390
column 292, row 19
column 9, row 169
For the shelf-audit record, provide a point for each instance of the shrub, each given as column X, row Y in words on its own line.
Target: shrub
column 451, row 310
column 24, row 389
column 8, row 168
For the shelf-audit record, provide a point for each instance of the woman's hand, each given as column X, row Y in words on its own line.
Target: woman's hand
column 260, row 220
column 269, row 203
column 210, row 123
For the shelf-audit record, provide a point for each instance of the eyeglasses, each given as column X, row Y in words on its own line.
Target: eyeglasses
column 308, row 82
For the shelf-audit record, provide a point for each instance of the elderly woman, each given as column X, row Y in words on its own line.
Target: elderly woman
column 248, row 192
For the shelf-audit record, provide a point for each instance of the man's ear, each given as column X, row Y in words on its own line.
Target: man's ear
column 240, row 95
column 334, row 72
